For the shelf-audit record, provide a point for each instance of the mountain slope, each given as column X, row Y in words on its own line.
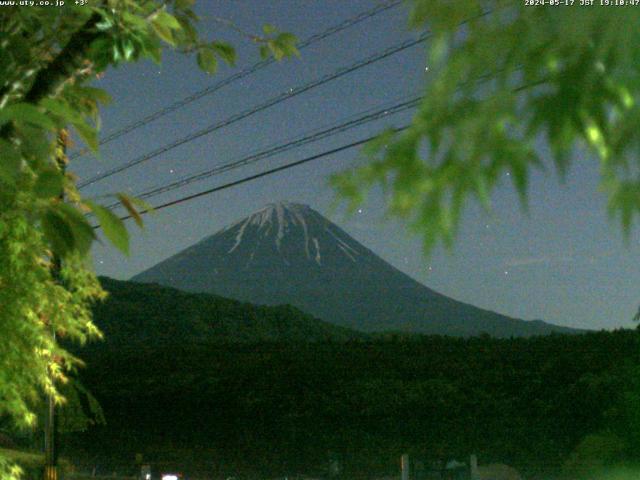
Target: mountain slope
column 136, row 313
column 288, row 253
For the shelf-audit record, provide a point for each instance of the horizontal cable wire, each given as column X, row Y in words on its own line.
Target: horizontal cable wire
column 290, row 93
column 241, row 74
column 370, row 116
column 265, row 173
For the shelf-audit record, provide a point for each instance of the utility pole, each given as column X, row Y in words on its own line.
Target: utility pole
column 473, row 467
column 50, row 428
column 405, row 473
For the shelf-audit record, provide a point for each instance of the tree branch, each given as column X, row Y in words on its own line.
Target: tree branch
column 67, row 62
column 64, row 66
column 236, row 28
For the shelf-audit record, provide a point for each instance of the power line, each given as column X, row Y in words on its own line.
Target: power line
column 261, row 174
column 313, row 157
column 362, row 119
column 298, row 162
column 241, row 74
column 292, row 92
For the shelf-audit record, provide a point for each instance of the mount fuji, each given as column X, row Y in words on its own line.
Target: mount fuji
column 287, row 253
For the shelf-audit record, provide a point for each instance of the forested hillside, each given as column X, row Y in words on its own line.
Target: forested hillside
column 285, row 408
column 142, row 313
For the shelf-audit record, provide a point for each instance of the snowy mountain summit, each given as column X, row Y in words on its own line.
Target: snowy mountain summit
column 288, row 253
column 307, row 234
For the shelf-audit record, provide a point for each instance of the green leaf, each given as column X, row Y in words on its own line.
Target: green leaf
column 155, row 54
column 482, row 191
column 128, row 49
column 134, row 20
column 265, row 52
column 82, row 232
column 117, row 54
column 269, row 29
column 60, row 108
column 346, row 185
column 438, row 50
column 106, row 23
column 378, row 144
column 419, row 13
column 128, row 203
column 113, row 228
column 25, row 112
column 277, row 52
column 183, row 4
column 96, row 94
column 50, row 183
column 163, row 32
column 286, row 44
column 10, row 162
column 88, row 133
column 167, row 20
column 100, row 53
column 36, row 143
column 207, row 60
column 152, row 48
column 225, row 51
column 287, row 38
column 67, row 230
column 142, row 205
column 57, row 232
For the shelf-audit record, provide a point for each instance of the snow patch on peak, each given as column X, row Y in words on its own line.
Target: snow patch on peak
column 281, row 215
column 347, row 253
column 274, row 221
column 317, row 245
column 289, row 205
column 279, row 210
column 344, row 246
column 300, row 218
column 239, row 236
column 282, row 208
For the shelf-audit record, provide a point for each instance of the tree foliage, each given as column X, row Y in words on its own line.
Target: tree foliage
column 505, row 77
column 278, row 407
column 49, row 57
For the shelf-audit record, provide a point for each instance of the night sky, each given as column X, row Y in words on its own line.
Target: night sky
column 564, row 261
